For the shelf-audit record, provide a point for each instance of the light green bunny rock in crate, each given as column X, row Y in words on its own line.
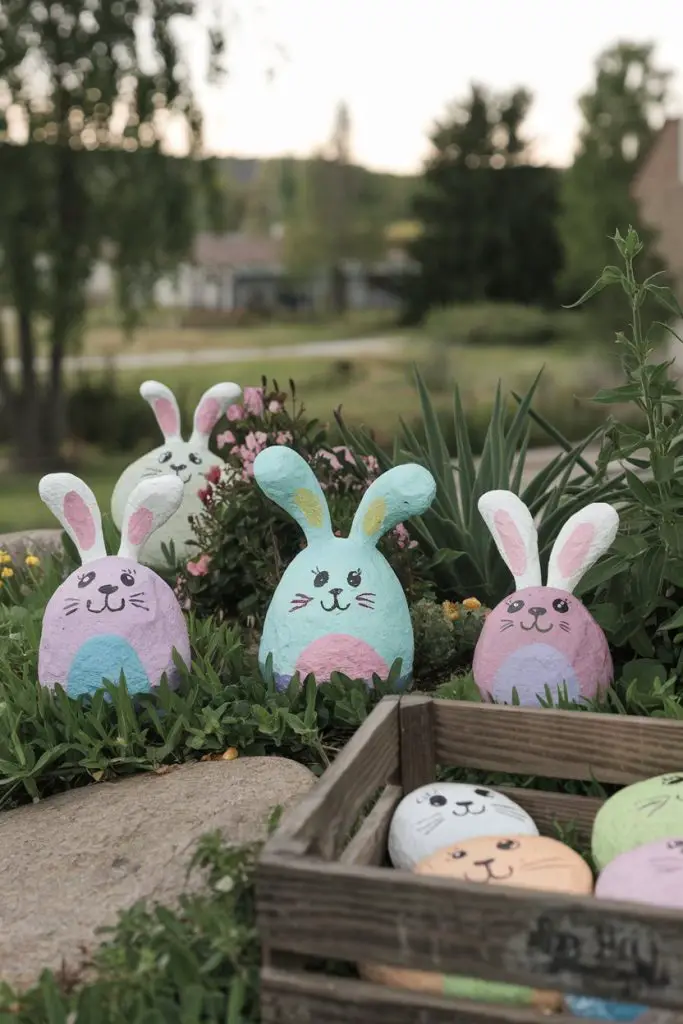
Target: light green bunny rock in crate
column 189, row 461
column 339, row 606
column 638, row 814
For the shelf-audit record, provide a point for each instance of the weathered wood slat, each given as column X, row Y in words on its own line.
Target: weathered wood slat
column 546, row 940
column 294, row 998
column 418, row 763
column 369, row 845
column 548, row 809
column 555, row 744
column 321, row 821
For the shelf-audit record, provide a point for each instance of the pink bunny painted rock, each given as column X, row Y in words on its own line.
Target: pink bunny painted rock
column 113, row 616
column 543, row 636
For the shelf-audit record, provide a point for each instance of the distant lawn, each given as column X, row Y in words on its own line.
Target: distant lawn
column 162, row 332
column 22, row 509
column 374, row 392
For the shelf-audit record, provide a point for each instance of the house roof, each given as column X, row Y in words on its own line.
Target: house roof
column 236, row 250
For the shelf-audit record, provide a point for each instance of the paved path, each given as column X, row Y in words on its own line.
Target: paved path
column 207, row 356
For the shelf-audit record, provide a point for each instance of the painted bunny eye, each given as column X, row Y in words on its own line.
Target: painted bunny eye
column 507, row 844
column 321, row 578
column 458, row 854
column 85, row 580
column 673, row 780
column 560, row 605
column 165, row 456
column 127, row 579
column 515, row 606
column 482, row 792
column 674, row 844
column 438, row 800
column 354, row 578
column 195, row 459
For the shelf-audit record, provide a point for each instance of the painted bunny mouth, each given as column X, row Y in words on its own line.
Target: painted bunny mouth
column 336, row 607
column 184, row 479
column 490, row 877
column 106, row 607
column 535, row 625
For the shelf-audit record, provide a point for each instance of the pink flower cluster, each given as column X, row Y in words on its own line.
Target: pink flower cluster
column 403, row 537
column 253, row 404
column 254, row 442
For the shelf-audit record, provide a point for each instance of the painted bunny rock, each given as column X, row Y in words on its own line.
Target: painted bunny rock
column 339, row 606
column 114, row 615
column 189, row 461
column 543, row 636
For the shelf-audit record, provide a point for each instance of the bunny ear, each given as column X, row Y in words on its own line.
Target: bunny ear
column 75, row 506
column 164, row 407
column 149, row 506
column 395, row 496
column 512, row 527
column 289, row 481
column 212, row 406
column 581, row 541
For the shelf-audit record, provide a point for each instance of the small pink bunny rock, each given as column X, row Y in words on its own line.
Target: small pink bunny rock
column 543, row 636
column 114, row 615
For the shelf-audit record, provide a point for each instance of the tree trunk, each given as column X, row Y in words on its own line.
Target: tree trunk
column 338, row 290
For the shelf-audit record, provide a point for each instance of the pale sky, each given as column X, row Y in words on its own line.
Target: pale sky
column 398, row 63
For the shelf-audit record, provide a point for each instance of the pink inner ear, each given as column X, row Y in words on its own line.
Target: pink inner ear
column 511, row 542
column 140, row 526
column 167, row 416
column 208, row 415
column 574, row 552
column 80, row 519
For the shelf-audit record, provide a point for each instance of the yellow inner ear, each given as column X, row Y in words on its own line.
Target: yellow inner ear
column 374, row 517
column 310, row 506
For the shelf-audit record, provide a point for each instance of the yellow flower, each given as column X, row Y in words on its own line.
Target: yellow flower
column 32, row 560
column 230, row 754
column 451, row 611
column 471, row 604
column 5, row 558
column 7, row 572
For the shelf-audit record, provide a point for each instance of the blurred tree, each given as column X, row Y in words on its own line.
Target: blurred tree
column 335, row 214
column 488, row 219
column 621, row 114
column 88, row 89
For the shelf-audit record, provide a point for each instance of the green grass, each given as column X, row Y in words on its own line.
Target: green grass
column 372, row 392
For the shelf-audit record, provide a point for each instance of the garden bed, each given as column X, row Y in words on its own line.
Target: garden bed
column 323, row 889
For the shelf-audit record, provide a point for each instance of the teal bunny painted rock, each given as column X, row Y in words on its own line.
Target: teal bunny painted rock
column 339, row 606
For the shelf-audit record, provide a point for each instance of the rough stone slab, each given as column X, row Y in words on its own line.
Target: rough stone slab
column 31, row 542
column 71, row 862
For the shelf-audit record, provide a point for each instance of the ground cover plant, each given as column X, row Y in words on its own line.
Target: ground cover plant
column 199, row 962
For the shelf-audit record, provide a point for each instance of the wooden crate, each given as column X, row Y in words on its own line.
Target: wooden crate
column 323, row 890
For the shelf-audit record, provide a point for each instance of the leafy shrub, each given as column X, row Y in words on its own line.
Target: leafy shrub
column 505, row 323
column 113, row 419
column 462, row 556
column 445, row 637
column 640, row 585
column 245, row 541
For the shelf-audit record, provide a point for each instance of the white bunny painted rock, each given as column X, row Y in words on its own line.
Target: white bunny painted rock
column 543, row 636
column 114, row 615
column 442, row 813
column 189, row 461
column 339, row 606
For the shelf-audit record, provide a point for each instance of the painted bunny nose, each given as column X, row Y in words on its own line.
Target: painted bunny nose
column 537, row 612
column 107, row 589
column 463, row 803
column 483, row 863
column 336, row 591
column 178, row 469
